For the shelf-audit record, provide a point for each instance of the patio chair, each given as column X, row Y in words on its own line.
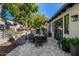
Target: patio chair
column 38, row 41
column 31, row 37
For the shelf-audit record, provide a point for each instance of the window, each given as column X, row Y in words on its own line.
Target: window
column 66, row 24
column 74, row 18
column 60, row 22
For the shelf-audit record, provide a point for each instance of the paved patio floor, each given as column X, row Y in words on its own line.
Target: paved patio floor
column 49, row 49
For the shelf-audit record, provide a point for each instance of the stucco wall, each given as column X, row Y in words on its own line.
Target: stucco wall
column 73, row 26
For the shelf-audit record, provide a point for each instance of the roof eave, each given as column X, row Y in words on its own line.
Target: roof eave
column 62, row 9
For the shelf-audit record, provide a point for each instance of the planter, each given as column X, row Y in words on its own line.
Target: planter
column 74, row 46
column 49, row 34
column 66, row 48
column 64, row 45
column 74, row 50
column 12, row 39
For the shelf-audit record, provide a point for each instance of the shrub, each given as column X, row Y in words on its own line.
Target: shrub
column 63, row 41
column 12, row 39
column 64, row 44
column 74, row 41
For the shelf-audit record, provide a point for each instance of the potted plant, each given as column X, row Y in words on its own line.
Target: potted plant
column 64, row 44
column 74, row 46
column 12, row 39
column 49, row 34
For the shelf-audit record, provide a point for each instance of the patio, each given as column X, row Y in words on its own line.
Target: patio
column 28, row 49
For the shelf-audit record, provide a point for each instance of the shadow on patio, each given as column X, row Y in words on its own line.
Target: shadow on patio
column 8, row 46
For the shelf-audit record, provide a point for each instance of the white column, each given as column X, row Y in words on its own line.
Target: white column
column 51, row 27
column 63, row 26
column 47, row 26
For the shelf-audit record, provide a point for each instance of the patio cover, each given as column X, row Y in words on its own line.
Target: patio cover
column 10, row 22
column 2, row 23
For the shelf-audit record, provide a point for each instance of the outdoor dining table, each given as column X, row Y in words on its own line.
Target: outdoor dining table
column 38, row 39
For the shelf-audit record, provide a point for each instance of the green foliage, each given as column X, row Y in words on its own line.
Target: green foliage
column 37, row 21
column 21, row 11
column 74, row 41
column 25, row 13
column 64, row 41
column 69, row 41
column 43, row 28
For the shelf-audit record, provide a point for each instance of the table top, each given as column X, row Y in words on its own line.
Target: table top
column 38, row 35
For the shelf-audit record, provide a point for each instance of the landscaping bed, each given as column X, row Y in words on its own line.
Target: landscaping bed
column 70, row 45
column 6, row 47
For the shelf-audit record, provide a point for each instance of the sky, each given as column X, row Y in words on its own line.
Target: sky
column 7, row 15
column 48, row 9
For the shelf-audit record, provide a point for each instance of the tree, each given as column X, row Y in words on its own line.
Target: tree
column 37, row 21
column 21, row 11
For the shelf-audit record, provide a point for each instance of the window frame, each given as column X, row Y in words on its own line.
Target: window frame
column 73, row 17
column 66, row 24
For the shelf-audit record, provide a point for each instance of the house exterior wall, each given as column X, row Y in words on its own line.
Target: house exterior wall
column 73, row 26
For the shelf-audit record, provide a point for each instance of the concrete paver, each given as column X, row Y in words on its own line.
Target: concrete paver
column 49, row 49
